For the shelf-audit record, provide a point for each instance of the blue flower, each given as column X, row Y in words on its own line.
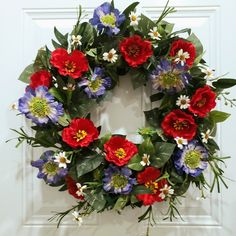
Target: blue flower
column 168, row 77
column 117, row 180
column 97, row 84
column 49, row 169
column 192, row 159
column 106, row 18
column 40, row 106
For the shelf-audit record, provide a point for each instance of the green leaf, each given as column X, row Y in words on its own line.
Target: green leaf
column 145, row 24
column 138, row 78
column 41, row 61
column 133, row 199
column 63, row 188
column 224, row 83
column 186, row 30
column 104, row 139
column 134, row 163
column 55, row 44
column 182, row 189
column 87, row 31
column 121, row 202
column 96, row 200
column 57, row 94
column 130, row 8
column 88, row 164
column 147, row 147
column 197, row 43
column 62, row 39
column 152, row 117
column 27, row 72
column 218, row 116
column 64, row 120
column 156, row 97
column 140, row 189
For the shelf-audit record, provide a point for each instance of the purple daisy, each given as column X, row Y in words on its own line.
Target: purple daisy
column 107, row 18
column 168, row 77
column 40, row 106
column 97, row 84
column 192, row 159
column 117, row 180
column 49, row 170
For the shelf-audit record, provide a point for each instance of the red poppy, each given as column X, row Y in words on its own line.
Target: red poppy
column 74, row 64
column 135, row 50
column 179, row 124
column 40, row 78
column 119, row 150
column 80, row 133
column 148, row 178
column 186, row 47
column 203, row 101
column 72, row 188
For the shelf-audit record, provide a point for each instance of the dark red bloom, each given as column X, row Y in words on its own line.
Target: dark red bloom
column 40, row 78
column 80, row 133
column 72, row 188
column 148, row 178
column 203, row 101
column 73, row 65
column 179, row 124
column 186, row 47
column 119, row 150
column 135, row 50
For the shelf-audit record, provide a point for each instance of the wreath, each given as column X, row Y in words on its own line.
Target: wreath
column 109, row 172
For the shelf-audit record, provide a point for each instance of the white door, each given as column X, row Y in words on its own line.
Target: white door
column 26, row 203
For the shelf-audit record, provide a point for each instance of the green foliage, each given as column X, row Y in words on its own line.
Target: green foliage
column 147, row 147
column 224, row 83
column 62, row 39
column 42, row 60
column 27, row 72
column 140, row 189
column 134, row 163
column 96, row 200
column 218, row 116
column 121, row 202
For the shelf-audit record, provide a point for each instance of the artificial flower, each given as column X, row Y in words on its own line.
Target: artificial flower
column 145, row 160
column 61, row 159
column 73, row 65
column 97, row 84
column 183, row 50
column 206, row 136
column 183, row 101
column 149, row 177
column 40, row 78
column 40, row 106
column 135, row 50
column 80, row 133
column 179, row 124
column 110, row 56
column 48, row 169
column 119, row 150
column 166, row 191
column 69, row 87
column 209, row 73
column 76, row 40
column 77, row 218
column 133, row 18
column 203, row 101
column 80, row 191
column 154, row 34
column 117, row 180
column 73, row 188
column 169, row 77
column 192, row 159
column 181, row 142
column 107, row 18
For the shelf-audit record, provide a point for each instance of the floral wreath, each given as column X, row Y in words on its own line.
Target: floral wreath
column 110, row 172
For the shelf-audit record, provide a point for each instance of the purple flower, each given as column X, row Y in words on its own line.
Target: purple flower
column 117, row 180
column 97, row 84
column 48, row 169
column 39, row 106
column 106, row 18
column 168, row 77
column 192, row 159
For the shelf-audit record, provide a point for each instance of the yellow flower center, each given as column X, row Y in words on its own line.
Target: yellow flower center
column 133, row 18
column 70, row 66
column 180, row 125
column 62, row 160
column 152, row 185
column 120, row 153
column 81, row 134
column 155, row 34
column 39, row 107
column 95, row 85
column 109, row 20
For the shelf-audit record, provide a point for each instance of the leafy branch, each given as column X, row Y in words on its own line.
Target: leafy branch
column 167, row 10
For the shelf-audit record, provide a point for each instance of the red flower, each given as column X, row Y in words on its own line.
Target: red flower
column 203, row 101
column 179, row 124
column 40, row 78
column 119, row 150
column 135, row 50
column 80, row 133
column 73, row 65
column 148, row 178
column 72, row 188
column 186, row 47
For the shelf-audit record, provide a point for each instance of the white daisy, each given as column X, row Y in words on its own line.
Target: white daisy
column 80, row 191
column 110, row 56
column 206, row 136
column 181, row 142
column 76, row 40
column 69, row 87
column 209, row 73
column 61, row 159
column 77, row 218
column 166, row 191
column 154, row 33
column 145, row 160
column 181, row 57
column 133, row 18
column 183, row 102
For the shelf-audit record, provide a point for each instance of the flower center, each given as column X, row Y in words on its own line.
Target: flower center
column 152, row 185
column 81, row 134
column 180, row 125
column 119, row 181
column 192, row 159
column 70, row 66
column 62, row 160
column 169, row 80
column 133, row 18
column 202, row 102
column 120, row 153
column 94, row 85
column 50, row 168
column 39, row 107
column 155, row 34
column 110, row 55
column 134, row 50
column 183, row 102
column 109, row 20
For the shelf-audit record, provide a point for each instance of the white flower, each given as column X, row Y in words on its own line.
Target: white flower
column 183, row 102
column 14, row 106
column 206, row 136
column 181, row 57
column 180, row 142
column 77, row 218
column 145, row 160
column 209, row 73
column 133, row 18
column 61, row 159
column 69, row 87
column 166, row 191
column 110, row 56
column 154, row 33
column 76, row 40
column 80, row 191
